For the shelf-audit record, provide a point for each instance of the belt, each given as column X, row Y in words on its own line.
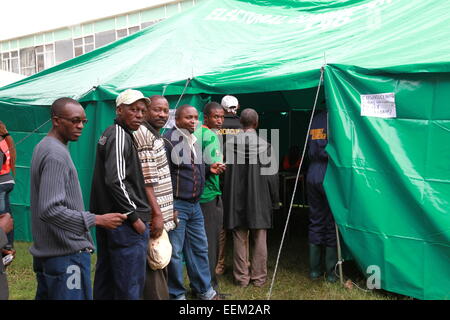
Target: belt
column 89, row 250
column 188, row 200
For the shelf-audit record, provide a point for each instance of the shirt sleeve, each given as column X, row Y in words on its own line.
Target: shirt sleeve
column 147, row 155
column 116, row 147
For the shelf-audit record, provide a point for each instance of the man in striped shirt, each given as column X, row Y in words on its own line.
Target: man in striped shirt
column 62, row 243
column 118, row 185
column 158, row 186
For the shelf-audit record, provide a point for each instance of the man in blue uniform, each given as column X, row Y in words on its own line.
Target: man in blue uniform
column 321, row 227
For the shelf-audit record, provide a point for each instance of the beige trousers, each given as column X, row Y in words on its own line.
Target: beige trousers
column 256, row 271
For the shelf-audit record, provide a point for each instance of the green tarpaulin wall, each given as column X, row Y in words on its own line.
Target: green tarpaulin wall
column 387, row 179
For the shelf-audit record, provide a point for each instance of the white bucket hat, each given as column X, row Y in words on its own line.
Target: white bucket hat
column 159, row 251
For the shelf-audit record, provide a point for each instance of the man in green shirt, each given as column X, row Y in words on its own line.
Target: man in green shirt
column 211, row 200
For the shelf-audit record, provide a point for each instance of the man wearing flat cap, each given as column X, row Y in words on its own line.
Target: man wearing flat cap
column 118, row 186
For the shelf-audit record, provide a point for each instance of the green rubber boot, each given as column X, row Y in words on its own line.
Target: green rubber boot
column 315, row 254
column 330, row 263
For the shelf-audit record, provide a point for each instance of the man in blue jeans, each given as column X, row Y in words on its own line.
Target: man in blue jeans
column 188, row 178
column 62, row 243
column 118, row 184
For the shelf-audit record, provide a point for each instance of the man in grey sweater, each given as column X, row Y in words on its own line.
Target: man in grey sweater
column 60, row 225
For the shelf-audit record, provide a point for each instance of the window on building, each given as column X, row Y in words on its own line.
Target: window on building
column 133, row 30
column 10, row 61
column 122, row 33
column 45, row 57
column 28, row 61
column 83, row 45
column 104, row 38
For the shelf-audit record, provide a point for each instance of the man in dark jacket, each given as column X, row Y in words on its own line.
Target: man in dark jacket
column 250, row 194
column 118, row 185
column 188, row 179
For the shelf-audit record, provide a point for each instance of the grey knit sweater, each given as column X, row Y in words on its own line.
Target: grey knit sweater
column 60, row 226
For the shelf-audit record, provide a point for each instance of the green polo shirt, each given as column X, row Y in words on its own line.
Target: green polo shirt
column 211, row 154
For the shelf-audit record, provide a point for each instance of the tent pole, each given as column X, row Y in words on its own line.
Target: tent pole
column 341, row 275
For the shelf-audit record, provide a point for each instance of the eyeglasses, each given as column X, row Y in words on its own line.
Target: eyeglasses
column 74, row 120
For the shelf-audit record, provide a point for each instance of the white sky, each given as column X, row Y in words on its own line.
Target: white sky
column 21, row 17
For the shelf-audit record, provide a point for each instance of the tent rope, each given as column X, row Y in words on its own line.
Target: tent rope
column 27, row 136
column 184, row 90
column 295, row 186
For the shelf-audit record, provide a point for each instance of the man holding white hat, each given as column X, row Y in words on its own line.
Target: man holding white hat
column 118, row 186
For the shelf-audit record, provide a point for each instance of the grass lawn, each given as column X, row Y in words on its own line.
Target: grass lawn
column 291, row 283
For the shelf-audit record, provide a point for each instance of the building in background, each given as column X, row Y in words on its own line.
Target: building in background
column 36, row 52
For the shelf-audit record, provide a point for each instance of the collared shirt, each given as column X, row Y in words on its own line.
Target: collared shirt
column 156, row 171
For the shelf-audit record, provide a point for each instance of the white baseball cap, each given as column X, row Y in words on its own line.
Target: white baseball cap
column 230, row 103
column 130, row 96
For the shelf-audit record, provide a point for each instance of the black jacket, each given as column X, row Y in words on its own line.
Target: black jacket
column 118, row 184
column 187, row 171
column 251, row 185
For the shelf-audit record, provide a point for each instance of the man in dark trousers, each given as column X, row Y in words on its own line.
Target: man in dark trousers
column 188, row 178
column 158, row 186
column 118, row 184
column 250, row 194
column 231, row 126
column 322, row 230
column 211, row 199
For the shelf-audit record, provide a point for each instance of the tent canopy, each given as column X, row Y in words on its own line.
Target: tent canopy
column 251, row 46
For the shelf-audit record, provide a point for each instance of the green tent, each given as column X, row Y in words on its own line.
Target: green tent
column 387, row 69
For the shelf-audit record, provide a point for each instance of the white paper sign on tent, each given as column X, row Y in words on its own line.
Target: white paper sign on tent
column 380, row 105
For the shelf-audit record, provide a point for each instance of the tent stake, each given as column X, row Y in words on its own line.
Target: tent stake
column 341, row 275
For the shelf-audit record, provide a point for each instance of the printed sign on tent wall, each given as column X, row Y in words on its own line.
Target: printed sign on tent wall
column 381, row 105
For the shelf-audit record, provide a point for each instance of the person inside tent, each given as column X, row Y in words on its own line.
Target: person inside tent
column 322, row 233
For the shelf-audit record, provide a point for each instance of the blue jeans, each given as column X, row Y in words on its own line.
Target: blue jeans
column 121, row 262
column 189, row 240
column 5, row 189
column 64, row 278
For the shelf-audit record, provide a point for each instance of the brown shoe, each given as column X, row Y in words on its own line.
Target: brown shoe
column 258, row 284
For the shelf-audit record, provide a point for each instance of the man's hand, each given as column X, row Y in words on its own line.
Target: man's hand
column 6, row 222
column 157, row 225
column 175, row 218
column 217, row 168
column 110, row 220
column 139, row 226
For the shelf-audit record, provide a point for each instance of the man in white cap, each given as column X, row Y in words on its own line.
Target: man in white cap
column 118, row 186
column 230, row 128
